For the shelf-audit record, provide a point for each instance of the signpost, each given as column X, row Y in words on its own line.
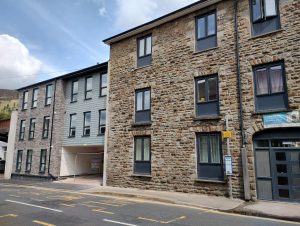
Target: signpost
column 228, row 158
column 228, row 165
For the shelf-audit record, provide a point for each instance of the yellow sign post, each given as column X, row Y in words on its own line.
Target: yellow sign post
column 227, row 134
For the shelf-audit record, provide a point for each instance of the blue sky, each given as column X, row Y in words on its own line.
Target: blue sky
column 43, row 39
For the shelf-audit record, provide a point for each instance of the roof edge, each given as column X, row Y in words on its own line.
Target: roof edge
column 69, row 75
column 161, row 20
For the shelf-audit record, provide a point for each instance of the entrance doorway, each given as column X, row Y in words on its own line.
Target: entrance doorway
column 277, row 164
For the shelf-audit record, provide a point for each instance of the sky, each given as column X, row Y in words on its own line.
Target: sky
column 41, row 39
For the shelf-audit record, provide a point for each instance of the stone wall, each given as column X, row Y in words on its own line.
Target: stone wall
column 38, row 142
column 283, row 44
column 173, row 130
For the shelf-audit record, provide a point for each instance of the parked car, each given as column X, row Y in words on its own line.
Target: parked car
column 2, row 166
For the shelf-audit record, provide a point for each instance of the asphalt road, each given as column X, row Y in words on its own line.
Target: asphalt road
column 52, row 204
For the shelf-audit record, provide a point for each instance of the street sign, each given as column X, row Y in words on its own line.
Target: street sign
column 227, row 134
column 228, row 164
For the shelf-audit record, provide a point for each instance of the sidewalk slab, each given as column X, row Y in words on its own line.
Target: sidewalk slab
column 280, row 210
column 195, row 200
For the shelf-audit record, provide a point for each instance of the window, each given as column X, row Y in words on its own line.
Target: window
column 35, row 93
column 103, row 85
column 43, row 160
column 49, row 92
column 19, row 160
column 46, row 125
column 72, row 130
column 265, row 16
column 74, row 93
column 144, row 51
column 28, row 161
column 102, row 121
column 25, row 100
column 210, row 165
column 143, row 105
column 270, row 87
column 88, row 87
column 142, row 157
column 31, row 128
column 206, row 31
column 87, row 124
column 207, row 96
column 22, row 129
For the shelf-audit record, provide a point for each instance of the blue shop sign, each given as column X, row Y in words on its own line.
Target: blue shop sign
column 278, row 118
column 281, row 119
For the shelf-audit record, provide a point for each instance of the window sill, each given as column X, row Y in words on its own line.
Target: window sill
column 72, row 102
column 141, row 175
column 44, row 138
column 28, row 171
column 204, row 118
column 87, row 99
column 266, row 34
column 21, row 139
column 24, row 110
column 137, row 124
column 47, row 105
column 101, row 135
column 71, row 136
column 33, row 108
column 85, row 135
column 31, row 139
column 41, row 173
column 102, row 96
column 137, row 68
column 210, row 181
column 271, row 111
column 206, row 50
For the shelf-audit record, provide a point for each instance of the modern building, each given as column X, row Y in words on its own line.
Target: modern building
column 175, row 80
column 61, row 124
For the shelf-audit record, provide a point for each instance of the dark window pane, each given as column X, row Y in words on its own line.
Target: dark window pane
column 103, row 117
column 256, row 10
column 147, row 100
column 89, row 83
column 261, row 81
column 146, row 149
column 139, row 100
column 276, row 79
column 262, row 143
column 148, row 45
column 75, row 87
column 104, row 80
column 203, row 149
column 283, row 193
column 281, row 168
column 215, row 149
column 283, row 181
column 104, row 91
column 211, row 24
column 201, row 91
column 212, row 89
column 270, row 8
column 201, row 27
column 280, row 156
column 87, row 119
column 138, row 154
column 141, row 47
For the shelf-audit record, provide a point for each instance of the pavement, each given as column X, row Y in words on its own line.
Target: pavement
column 278, row 210
column 266, row 209
column 64, row 204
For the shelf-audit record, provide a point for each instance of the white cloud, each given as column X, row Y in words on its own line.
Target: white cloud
column 131, row 13
column 102, row 11
column 17, row 66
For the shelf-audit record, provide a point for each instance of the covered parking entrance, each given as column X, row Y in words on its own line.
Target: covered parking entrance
column 84, row 163
column 277, row 164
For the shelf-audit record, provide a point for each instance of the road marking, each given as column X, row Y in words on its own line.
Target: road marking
column 162, row 222
column 27, row 204
column 14, row 196
column 102, row 211
column 68, row 205
column 42, row 223
column 118, row 222
column 8, row 215
column 103, row 203
column 39, row 200
column 142, row 201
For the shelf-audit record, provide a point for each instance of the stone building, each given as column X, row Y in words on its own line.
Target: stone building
column 48, row 141
column 173, row 82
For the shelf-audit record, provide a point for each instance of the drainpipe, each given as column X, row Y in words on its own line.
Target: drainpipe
column 239, row 84
column 51, row 134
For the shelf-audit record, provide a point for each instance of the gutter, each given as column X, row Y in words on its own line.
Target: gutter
column 51, row 134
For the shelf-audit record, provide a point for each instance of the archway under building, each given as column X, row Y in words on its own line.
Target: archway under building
column 82, row 164
column 277, row 164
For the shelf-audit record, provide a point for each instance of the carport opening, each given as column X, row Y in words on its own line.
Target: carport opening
column 82, row 164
